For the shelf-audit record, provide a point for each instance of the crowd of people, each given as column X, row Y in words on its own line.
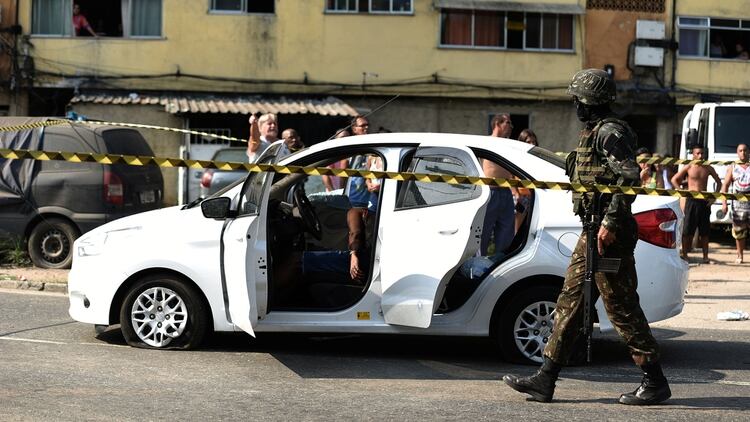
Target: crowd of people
column 508, row 207
column 695, row 177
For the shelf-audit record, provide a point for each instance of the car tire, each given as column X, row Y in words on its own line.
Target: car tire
column 164, row 312
column 526, row 322
column 51, row 243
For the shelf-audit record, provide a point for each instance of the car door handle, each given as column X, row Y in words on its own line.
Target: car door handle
column 240, row 239
column 448, row 232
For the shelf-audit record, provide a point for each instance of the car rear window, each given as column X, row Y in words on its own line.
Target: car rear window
column 231, row 155
column 126, row 142
column 548, row 156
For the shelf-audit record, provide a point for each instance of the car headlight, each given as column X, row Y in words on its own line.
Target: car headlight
column 94, row 244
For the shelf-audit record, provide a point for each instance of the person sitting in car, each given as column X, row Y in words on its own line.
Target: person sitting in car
column 349, row 266
column 353, row 262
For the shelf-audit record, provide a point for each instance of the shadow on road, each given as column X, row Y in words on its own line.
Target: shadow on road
column 357, row 356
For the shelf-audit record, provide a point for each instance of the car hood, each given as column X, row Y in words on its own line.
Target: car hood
column 164, row 219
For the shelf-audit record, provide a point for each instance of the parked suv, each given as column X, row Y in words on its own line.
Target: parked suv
column 51, row 203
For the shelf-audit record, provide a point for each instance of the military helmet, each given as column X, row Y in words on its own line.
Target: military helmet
column 592, row 87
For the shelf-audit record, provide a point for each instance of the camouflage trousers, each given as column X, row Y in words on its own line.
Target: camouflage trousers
column 618, row 292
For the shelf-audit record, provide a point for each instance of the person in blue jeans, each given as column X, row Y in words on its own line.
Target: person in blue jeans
column 353, row 262
column 499, row 220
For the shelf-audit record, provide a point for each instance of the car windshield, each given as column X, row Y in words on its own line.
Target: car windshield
column 269, row 156
column 234, row 155
column 730, row 128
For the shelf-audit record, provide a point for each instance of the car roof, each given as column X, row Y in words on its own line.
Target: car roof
column 512, row 150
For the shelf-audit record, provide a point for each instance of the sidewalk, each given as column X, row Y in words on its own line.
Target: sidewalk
column 33, row 278
column 717, row 287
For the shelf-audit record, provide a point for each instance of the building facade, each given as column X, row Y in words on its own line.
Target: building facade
column 452, row 63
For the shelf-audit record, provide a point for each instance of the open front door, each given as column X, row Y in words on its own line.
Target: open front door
column 244, row 252
column 428, row 234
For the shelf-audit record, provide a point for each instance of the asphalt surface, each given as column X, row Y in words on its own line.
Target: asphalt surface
column 56, row 369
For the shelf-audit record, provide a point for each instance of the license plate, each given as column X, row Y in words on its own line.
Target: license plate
column 148, row 197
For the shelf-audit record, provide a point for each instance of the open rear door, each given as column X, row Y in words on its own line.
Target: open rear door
column 428, row 233
column 244, row 252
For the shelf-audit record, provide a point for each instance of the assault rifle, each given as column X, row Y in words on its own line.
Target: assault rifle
column 594, row 264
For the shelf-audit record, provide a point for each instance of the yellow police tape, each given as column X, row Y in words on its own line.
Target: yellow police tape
column 649, row 160
column 133, row 160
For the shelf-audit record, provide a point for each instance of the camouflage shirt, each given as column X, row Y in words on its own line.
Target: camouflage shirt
column 615, row 141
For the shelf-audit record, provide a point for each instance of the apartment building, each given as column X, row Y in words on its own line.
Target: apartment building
column 206, row 64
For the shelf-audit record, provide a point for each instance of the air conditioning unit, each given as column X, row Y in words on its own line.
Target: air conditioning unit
column 650, row 30
column 649, row 56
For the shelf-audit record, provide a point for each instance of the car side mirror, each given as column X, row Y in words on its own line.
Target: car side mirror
column 216, row 207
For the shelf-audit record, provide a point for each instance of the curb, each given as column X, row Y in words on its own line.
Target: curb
column 40, row 286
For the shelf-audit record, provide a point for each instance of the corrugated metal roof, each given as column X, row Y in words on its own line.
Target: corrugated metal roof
column 329, row 106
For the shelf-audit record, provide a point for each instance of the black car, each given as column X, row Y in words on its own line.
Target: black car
column 51, row 203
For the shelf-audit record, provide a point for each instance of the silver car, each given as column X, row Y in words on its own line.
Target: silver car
column 213, row 180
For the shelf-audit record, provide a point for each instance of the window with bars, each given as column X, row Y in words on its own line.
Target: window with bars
column 506, row 30
column 370, row 6
column 243, row 6
column 714, row 38
column 650, row 6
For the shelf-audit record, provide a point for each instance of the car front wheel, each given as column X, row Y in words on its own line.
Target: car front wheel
column 51, row 243
column 163, row 312
column 526, row 323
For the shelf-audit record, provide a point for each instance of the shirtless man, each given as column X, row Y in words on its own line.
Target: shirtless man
column 499, row 219
column 738, row 176
column 697, row 211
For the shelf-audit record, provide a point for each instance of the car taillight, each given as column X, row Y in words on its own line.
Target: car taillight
column 206, row 178
column 658, row 227
column 113, row 189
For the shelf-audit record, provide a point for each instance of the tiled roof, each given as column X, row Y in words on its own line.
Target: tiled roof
column 175, row 103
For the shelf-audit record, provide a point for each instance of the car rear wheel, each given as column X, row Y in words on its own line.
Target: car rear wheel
column 163, row 312
column 526, row 323
column 51, row 243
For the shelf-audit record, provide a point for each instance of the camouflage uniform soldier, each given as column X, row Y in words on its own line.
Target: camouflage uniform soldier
column 604, row 155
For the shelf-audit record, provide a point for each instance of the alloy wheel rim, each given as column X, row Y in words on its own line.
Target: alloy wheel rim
column 532, row 329
column 158, row 316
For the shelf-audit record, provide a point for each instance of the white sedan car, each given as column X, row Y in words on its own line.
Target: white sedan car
column 271, row 253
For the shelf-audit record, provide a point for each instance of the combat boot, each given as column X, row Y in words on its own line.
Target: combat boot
column 541, row 386
column 653, row 389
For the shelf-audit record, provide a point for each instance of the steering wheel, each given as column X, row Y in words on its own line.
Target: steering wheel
column 307, row 213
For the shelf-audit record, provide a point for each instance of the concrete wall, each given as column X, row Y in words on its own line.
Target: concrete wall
column 610, row 32
column 164, row 144
column 555, row 123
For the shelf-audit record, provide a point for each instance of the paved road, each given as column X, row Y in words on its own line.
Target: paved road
column 55, row 369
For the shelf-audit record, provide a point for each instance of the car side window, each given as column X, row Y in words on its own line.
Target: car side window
column 415, row 194
column 59, row 142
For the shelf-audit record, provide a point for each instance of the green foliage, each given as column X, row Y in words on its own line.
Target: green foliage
column 13, row 252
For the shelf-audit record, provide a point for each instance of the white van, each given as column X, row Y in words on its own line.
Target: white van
column 719, row 127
